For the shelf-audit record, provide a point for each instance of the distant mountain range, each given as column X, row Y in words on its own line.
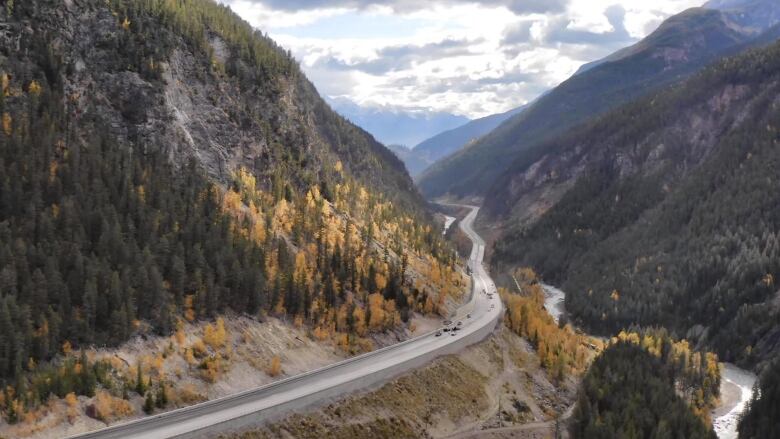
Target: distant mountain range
column 417, row 159
column 678, row 48
column 396, row 127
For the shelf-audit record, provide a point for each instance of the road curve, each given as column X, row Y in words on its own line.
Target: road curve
column 259, row 405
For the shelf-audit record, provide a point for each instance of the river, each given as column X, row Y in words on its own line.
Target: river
column 736, row 387
column 448, row 220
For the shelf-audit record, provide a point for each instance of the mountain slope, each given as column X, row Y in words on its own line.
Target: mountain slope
column 160, row 163
column 414, row 164
column 194, row 75
column 448, row 142
column 669, row 212
column 398, row 127
column 679, row 47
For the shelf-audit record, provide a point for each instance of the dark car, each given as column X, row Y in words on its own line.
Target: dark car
column 438, row 333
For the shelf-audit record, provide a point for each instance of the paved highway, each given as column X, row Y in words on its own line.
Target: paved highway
column 255, row 406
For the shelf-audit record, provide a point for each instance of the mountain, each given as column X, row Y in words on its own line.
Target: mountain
column 414, row 164
column 396, row 127
column 426, row 153
column 680, row 46
column 665, row 212
column 448, row 142
column 163, row 164
column 755, row 15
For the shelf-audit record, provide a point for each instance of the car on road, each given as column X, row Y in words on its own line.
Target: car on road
column 447, row 322
column 468, row 316
column 454, row 334
column 446, row 329
column 438, row 333
column 460, row 324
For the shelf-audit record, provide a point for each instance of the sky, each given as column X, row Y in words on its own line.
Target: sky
column 471, row 58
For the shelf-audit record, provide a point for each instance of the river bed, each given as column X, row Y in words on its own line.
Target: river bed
column 736, row 390
column 448, row 220
column 736, row 386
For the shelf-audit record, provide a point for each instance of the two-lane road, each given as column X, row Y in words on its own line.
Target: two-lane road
column 259, row 405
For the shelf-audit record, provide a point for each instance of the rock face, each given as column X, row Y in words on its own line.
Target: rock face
column 204, row 96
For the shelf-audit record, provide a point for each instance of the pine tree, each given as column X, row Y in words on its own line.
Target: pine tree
column 149, row 403
column 140, row 386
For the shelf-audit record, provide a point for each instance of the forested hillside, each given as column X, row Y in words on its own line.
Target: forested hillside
column 633, row 390
column 760, row 418
column 561, row 349
column 679, row 47
column 161, row 162
column 670, row 214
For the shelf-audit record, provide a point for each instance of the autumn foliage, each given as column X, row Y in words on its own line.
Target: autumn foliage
column 561, row 350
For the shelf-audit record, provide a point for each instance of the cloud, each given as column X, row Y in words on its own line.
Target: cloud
column 402, row 57
column 518, row 33
column 516, row 6
column 559, row 30
column 468, row 57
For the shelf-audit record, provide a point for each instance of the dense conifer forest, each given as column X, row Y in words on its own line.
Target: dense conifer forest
column 101, row 239
column 760, row 419
column 631, row 391
column 689, row 242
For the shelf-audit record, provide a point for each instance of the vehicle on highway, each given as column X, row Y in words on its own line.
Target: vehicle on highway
column 438, row 333
column 460, row 324
column 447, row 322
column 454, row 334
column 446, row 329
column 468, row 316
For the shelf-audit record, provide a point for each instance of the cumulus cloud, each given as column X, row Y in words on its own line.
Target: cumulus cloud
column 467, row 57
column 402, row 57
column 559, row 30
column 516, row 6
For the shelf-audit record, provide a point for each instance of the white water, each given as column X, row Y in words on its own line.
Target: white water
column 554, row 301
column 447, row 223
column 725, row 425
